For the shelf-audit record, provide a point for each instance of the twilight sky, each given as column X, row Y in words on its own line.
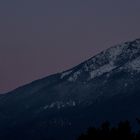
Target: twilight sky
column 41, row 37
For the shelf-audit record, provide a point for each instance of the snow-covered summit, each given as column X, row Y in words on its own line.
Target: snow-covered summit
column 106, row 61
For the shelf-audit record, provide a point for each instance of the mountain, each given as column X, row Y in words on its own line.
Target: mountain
column 61, row 106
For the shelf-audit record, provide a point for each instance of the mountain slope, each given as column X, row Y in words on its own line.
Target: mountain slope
column 103, row 87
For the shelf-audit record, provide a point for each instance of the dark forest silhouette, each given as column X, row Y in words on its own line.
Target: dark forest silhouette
column 105, row 132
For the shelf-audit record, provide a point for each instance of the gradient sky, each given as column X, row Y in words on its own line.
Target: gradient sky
column 41, row 37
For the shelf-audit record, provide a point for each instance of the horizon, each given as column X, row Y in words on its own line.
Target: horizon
column 39, row 38
column 40, row 78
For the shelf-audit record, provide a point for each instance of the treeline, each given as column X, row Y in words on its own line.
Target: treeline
column 105, row 132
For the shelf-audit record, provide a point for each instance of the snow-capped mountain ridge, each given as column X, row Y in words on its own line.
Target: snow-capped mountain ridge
column 59, row 106
column 106, row 61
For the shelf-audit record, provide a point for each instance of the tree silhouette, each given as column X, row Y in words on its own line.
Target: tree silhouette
column 125, row 131
column 122, row 131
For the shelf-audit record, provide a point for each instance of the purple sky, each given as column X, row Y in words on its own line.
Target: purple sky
column 41, row 37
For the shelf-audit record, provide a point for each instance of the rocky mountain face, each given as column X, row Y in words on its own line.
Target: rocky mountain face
column 61, row 106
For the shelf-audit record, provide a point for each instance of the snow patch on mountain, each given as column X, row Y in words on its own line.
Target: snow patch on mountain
column 115, row 51
column 104, row 69
column 65, row 74
column 134, row 65
column 74, row 76
column 60, row 104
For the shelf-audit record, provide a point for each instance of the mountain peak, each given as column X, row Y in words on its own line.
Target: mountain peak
column 106, row 61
